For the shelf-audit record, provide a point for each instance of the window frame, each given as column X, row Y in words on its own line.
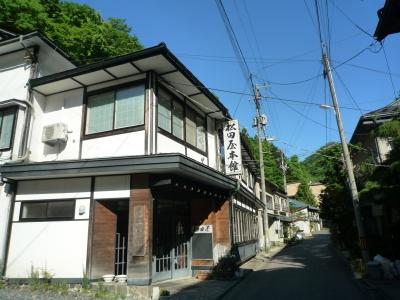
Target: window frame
column 186, row 108
column 114, row 131
column 14, row 110
column 47, row 219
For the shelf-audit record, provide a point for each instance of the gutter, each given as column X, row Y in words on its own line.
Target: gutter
column 23, row 152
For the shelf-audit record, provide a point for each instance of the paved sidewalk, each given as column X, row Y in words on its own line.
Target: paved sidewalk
column 194, row 289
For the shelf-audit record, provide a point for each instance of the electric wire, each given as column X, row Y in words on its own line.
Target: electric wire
column 348, row 92
column 236, row 46
column 310, row 15
column 390, row 73
column 294, row 101
column 350, row 20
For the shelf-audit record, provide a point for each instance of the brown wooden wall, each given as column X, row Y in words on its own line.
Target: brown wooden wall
column 208, row 211
column 103, row 246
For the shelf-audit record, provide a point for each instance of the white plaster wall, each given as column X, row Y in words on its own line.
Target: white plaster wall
column 303, row 225
column 14, row 74
column 126, row 144
column 211, row 142
column 110, row 187
column 167, row 145
column 60, row 108
column 196, row 156
column 53, row 189
column 82, row 209
column 58, row 247
column 5, row 210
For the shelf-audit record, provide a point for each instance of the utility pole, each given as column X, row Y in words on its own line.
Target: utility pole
column 261, row 123
column 284, row 168
column 347, row 159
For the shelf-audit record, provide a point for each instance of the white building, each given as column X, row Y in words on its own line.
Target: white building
column 22, row 58
column 124, row 175
column 305, row 217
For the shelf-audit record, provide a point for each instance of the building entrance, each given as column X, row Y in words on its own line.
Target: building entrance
column 171, row 239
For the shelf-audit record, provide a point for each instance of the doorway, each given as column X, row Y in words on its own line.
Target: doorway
column 110, row 236
column 171, row 245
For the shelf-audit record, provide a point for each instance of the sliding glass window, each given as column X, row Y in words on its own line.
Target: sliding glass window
column 116, row 109
column 180, row 121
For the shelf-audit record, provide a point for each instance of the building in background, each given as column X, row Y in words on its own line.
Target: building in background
column 305, row 217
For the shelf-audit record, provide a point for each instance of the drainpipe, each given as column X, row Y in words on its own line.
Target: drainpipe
column 23, row 153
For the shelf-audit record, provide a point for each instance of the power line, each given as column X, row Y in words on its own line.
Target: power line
column 235, row 44
column 348, row 92
column 390, row 73
column 264, row 97
column 350, row 20
column 310, row 15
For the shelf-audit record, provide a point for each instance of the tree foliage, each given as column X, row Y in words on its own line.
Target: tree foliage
column 296, row 171
column 77, row 28
column 383, row 188
column 304, row 194
column 321, row 165
column 272, row 157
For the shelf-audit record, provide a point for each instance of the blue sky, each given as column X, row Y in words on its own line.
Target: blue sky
column 269, row 33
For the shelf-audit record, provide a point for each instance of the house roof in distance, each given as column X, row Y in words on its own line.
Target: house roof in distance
column 296, row 204
column 369, row 120
column 159, row 59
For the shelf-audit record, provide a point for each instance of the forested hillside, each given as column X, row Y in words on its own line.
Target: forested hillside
column 76, row 28
column 320, row 164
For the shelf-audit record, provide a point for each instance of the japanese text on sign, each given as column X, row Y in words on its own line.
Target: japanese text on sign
column 233, row 157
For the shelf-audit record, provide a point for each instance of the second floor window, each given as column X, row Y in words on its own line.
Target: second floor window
column 7, row 118
column 116, row 109
column 182, row 122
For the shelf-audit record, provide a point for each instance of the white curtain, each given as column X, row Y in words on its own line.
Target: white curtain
column 7, row 120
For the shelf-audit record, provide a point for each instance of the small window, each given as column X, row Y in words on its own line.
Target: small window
column 115, row 109
column 7, row 118
column 49, row 210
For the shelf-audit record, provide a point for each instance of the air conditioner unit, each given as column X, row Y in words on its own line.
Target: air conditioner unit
column 55, row 134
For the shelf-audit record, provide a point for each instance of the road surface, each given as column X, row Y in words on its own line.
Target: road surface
column 308, row 270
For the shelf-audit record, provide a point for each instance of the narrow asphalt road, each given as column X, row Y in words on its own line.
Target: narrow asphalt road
column 308, row 270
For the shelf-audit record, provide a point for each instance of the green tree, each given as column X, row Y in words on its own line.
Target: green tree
column 296, row 171
column 272, row 157
column 77, row 28
column 321, row 164
column 304, row 194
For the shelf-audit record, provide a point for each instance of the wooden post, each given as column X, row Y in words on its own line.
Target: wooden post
column 140, row 231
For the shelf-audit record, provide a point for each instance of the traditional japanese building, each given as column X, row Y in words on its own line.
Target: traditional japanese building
column 124, row 173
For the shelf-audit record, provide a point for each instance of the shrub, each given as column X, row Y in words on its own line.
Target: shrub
column 226, row 267
column 164, row 293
